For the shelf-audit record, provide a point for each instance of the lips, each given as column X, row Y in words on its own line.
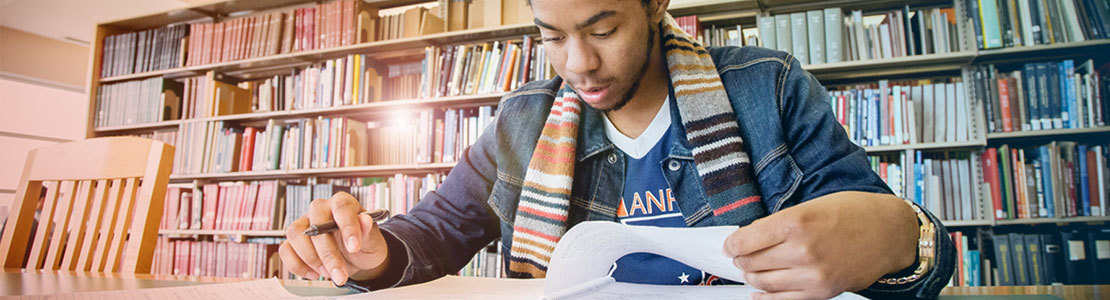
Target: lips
column 593, row 94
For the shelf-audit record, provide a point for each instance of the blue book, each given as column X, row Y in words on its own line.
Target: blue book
column 874, row 118
column 974, row 269
column 1072, row 117
column 1046, row 179
column 919, row 179
column 992, row 32
column 1031, row 98
column 1084, row 187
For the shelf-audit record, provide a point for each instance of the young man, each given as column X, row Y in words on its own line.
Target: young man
column 670, row 134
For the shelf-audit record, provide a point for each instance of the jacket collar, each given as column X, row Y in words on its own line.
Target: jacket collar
column 592, row 139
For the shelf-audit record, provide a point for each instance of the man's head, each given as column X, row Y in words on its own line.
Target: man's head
column 602, row 48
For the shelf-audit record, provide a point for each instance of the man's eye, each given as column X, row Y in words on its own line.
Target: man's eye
column 552, row 39
column 604, row 34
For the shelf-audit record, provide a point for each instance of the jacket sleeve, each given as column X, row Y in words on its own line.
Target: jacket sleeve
column 440, row 234
column 831, row 163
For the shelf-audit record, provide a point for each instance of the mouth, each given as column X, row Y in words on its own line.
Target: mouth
column 593, row 94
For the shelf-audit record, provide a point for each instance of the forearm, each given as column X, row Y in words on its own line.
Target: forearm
column 443, row 231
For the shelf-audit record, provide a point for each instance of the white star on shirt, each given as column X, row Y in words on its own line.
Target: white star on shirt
column 685, row 278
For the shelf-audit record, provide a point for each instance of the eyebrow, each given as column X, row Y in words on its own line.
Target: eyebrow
column 592, row 20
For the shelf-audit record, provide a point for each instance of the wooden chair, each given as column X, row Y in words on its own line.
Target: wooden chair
column 102, row 207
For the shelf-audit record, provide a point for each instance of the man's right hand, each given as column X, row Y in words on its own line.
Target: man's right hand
column 356, row 251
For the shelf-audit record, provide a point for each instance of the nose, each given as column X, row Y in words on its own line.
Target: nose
column 581, row 57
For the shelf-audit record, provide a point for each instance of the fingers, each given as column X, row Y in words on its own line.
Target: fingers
column 345, row 210
column 294, row 263
column 781, row 256
column 777, row 280
column 302, row 246
column 319, row 211
column 758, row 235
column 374, row 250
column 788, row 295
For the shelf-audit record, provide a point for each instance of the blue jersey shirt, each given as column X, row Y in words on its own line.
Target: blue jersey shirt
column 647, row 201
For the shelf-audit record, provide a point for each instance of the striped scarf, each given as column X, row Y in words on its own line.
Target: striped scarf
column 711, row 130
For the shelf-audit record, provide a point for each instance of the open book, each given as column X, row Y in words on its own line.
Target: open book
column 579, row 269
column 581, row 265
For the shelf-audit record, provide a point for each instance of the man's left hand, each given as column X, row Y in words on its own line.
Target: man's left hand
column 839, row 242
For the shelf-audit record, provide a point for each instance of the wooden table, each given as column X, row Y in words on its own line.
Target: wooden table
column 35, row 282
column 1025, row 292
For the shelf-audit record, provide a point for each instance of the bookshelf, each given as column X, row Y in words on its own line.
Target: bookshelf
column 955, row 64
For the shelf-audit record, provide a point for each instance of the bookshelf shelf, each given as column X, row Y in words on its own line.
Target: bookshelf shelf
column 346, row 110
column 375, row 170
column 259, row 233
column 134, row 127
column 892, row 66
column 1040, row 52
column 1052, row 220
column 1052, row 133
column 967, row 223
column 925, row 146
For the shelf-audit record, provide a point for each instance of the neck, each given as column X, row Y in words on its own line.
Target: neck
column 632, row 119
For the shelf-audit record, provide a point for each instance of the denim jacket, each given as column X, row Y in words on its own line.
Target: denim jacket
column 799, row 150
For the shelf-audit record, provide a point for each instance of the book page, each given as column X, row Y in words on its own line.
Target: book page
column 579, row 268
column 589, row 249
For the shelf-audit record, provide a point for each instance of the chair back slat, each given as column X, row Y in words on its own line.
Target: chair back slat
column 103, row 203
column 62, row 213
column 92, row 232
column 37, row 255
column 109, row 221
column 78, row 218
column 122, row 224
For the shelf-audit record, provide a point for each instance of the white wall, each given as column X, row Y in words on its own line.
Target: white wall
column 34, row 115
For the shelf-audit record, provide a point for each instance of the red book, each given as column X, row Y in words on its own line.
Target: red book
column 190, row 55
column 990, row 172
column 221, row 207
column 1018, row 176
column 882, row 171
column 211, row 198
column 218, row 42
column 259, row 206
column 246, row 157
column 348, row 22
column 957, row 238
column 1004, row 105
column 169, row 211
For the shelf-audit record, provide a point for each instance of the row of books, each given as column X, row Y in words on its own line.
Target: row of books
column 889, row 169
column 1060, row 179
column 486, row 263
column 398, row 193
column 430, row 136
column 1009, row 23
column 166, row 136
column 1046, row 95
column 946, row 184
column 326, row 25
column 216, row 147
column 484, row 68
column 225, row 206
column 828, row 36
column 148, row 50
column 216, row 258
column 412, row 22
column 910, row 112
column 212, row 95
column 1041, row 257
column 474, row 69
column 137, row 102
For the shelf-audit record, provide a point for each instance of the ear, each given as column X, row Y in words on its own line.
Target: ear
column 658, row 9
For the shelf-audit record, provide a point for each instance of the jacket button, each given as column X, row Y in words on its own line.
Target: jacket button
column 674, row 165
column 612, row 158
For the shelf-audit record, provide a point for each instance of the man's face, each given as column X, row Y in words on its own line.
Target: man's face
column 599, row 47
